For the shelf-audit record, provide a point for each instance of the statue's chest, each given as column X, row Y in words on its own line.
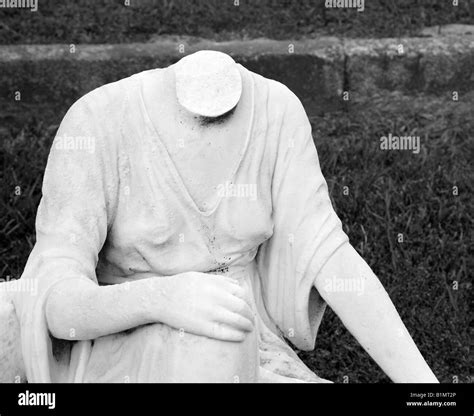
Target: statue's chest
column 204, row 160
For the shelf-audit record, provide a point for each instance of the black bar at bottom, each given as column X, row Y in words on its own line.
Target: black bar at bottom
column 313, row 399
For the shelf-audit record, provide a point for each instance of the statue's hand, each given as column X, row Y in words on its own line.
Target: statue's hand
column 208, row 305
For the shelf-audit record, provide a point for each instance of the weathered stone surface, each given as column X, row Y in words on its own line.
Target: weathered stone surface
column 432, row 65
column 448, row 30
column 317, row 70
column 11, row 363
column 55, row 77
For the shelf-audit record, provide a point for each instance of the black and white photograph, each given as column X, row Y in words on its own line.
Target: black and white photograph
column 237, row 192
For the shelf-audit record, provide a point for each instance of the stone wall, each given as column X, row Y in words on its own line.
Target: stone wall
column 317, row 70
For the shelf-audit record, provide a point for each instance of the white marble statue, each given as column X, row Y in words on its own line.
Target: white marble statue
column 186, row 230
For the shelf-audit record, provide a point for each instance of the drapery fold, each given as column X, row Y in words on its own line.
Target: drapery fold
column 71, row 226
column 306, row 232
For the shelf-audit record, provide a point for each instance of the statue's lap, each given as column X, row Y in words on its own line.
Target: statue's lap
column 158, row 353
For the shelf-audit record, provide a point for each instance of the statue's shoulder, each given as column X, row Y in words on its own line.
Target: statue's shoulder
column 279, row 97
column 105, row 101
column 280, row 102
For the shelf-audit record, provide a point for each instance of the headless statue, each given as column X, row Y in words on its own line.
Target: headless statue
column 218, row 312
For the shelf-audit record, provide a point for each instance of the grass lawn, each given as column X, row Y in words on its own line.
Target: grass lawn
column 390, row 192
column 110, row 21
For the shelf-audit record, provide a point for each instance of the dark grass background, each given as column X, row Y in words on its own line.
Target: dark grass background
column 110, row 21
column 390, row 192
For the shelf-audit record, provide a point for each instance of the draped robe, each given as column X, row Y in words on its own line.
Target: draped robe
column 114, row 209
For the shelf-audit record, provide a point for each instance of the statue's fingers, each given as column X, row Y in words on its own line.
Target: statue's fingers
column 226, row 333
column 241, row 293
column 240, row 307
column 236, row 321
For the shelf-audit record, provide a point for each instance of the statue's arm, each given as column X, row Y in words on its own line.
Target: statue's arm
column 212, row 306
column 80, row 310
column 371, row 317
